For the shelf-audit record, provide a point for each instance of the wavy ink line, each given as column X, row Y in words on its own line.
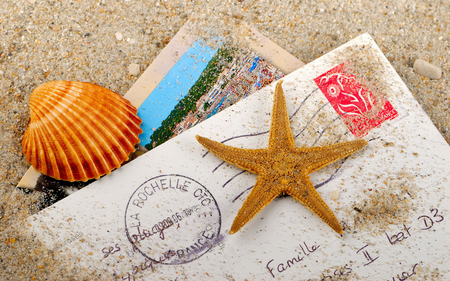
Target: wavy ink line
column 340, row 136
column 236, row 137
column 228, row 181
column 234, row 200
column 332, row 175
column 303, row 101
column 310, row 120
column 218, row 166
column 329, row 126
column 323, row 131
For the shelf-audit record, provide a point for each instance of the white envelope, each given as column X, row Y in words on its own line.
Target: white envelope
column 167, row 214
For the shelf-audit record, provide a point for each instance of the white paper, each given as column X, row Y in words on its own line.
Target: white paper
column 285, row 241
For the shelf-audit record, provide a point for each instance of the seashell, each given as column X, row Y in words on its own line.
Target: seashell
column 79, row 131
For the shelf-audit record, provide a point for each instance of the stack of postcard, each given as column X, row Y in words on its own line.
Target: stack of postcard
column 167, row 214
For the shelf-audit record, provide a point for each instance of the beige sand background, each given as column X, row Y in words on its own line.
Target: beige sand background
column 45, row 40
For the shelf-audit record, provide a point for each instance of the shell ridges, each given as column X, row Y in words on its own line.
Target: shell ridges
column 79, row 131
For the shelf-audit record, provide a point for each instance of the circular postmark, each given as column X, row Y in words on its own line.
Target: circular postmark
column 172, row 219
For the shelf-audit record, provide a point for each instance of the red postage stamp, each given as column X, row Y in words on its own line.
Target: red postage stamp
column 359, row 108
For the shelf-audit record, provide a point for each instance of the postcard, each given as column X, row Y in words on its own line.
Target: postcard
column 167, row 214
column 202, row 83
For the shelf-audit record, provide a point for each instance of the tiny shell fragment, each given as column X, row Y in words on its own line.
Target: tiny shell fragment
column 79, row 131
column 427, row 69
column 119, row 36
column 134, row 69
column 334, row 195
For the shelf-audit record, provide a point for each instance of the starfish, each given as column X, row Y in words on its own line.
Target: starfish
column 282, row 168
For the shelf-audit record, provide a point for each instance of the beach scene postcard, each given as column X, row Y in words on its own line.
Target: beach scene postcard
column 203, row 82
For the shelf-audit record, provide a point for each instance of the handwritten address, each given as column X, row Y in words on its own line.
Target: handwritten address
column 281, row 267
column 426, row 222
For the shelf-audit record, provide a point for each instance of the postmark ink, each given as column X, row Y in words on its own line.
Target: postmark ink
column 172, row 219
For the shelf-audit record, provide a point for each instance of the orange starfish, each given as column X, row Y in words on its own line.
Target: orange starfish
column 282, row 168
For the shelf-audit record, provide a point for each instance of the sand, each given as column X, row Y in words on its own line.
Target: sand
column 100, row 41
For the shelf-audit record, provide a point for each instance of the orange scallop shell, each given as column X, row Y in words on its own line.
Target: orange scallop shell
column 79, row 131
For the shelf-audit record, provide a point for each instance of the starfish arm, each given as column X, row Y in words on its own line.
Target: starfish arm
column 262, row 194
column 280, row 130
column 320, row 156
column 251, row 160
column 303, row 191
